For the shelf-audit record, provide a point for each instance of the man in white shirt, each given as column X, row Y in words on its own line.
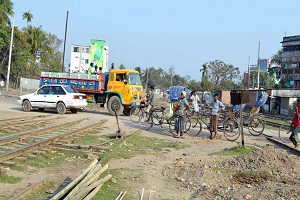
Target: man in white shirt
column 194, row 98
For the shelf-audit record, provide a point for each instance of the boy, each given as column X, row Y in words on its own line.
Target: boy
column 217, row 107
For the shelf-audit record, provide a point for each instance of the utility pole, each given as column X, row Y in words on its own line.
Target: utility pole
column 249, row 73
column 10, row 50
column 63, row 60
column 258, row 66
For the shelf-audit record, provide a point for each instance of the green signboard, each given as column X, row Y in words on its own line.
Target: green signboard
column 96, row 52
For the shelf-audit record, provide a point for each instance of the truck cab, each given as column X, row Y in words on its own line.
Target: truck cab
column 123, row 90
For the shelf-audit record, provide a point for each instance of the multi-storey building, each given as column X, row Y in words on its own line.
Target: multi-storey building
column 80, row 58
column 290, row 75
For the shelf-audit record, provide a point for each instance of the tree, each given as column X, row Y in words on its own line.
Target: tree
column 222, row 75
column 6, row 9
column 28, row 16
column 277, row 58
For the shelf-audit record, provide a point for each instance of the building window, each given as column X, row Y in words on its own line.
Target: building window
column 86, row 61
column 76, row 49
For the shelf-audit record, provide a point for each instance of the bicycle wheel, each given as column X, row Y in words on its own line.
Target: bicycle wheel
column 256, row 126
column 145, row 121
column 195, row 126
column 173, row 125
column 285, row 131
column 187, row 124
column 222, row 118
column 157, row 117
column 231, row 129
column 135, row 114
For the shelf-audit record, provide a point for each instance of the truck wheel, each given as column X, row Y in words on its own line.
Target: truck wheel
column 61, row 108
column 114, row 104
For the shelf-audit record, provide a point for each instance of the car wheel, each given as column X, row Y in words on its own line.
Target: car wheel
column 114, row 105
column 74, row 110
column 61, row 108
column 26, row 106
column 41, row 109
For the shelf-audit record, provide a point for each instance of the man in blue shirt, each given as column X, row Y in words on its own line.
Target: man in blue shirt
column 217, row 107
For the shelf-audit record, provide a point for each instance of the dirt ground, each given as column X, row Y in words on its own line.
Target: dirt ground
column 183, row 174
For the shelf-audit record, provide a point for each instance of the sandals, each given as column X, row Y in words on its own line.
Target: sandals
column 176, row 136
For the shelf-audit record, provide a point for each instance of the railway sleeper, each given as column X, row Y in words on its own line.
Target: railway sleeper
column 79, row 152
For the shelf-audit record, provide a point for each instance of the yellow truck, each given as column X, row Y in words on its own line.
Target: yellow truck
column 119, row 89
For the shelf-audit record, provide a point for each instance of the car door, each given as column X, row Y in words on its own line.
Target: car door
column 40, row 98
column 56, row 94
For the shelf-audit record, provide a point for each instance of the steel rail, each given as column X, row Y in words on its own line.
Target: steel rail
column 20, row 151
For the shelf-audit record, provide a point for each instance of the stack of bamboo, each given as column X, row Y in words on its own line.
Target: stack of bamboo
column 86, row 185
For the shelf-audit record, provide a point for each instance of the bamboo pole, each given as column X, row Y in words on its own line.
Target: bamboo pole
column 86, row 191
column 120, row 194
column 87, row 180
column 93, row 193
column 74, row 182
column 123, row 195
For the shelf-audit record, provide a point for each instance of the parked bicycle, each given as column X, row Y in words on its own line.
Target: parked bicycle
column 232, row 126
column 194, row 121
column 155, row 117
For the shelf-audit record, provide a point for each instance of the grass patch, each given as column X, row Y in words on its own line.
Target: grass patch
column 42, row 192
column 125, row 180
column 19, row 168
column 89, row 140
column 50, row 159
column 136, row 145
column 9, row 179
column 235, row 151
column 224, row 170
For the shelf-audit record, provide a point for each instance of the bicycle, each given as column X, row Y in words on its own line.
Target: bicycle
column 195, row 120
column 232, row 125
column 285, row 131
column 137, row 111
column 155, row 117
column 188, row 127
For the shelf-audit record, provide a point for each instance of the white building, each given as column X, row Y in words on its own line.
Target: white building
column 80, row 58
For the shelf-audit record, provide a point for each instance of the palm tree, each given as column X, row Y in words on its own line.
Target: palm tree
column 28, row 16
column 204, row 71
column 6, row 7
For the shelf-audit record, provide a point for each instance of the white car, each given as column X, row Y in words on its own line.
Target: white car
column 60, row 97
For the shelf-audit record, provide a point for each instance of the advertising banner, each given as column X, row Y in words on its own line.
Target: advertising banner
column 96, row 52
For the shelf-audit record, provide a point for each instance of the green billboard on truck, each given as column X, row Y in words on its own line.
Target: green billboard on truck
column 97, row 52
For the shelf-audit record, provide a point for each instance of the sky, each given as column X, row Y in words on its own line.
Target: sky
column 164, row 33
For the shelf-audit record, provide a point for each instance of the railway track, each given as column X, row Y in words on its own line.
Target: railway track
column 283, row 145
column 19, row 144
column 13, row 125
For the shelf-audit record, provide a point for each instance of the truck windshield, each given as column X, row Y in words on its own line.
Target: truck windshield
column 134, row 79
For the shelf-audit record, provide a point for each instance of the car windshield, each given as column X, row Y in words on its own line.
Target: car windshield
column 70, row 89
column 134, row 79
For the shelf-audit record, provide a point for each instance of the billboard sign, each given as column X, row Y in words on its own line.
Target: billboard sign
column 96, row 52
